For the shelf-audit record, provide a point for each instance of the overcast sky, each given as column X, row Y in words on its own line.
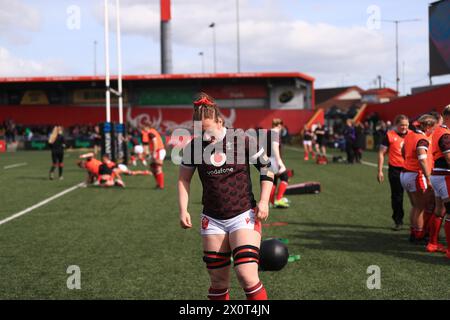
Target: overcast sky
column 337, row 42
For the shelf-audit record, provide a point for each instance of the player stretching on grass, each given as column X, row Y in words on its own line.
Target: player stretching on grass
column 440, row 179
column 231, row 219
column 98, row 172
column 122, row 168
column 415, row 177
column 278, row 166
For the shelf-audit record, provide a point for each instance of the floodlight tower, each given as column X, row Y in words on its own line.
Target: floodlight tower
column 397, row 69
column 166, row 40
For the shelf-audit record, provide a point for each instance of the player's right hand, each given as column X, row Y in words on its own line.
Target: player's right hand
column 185, row 220
column 380, row 177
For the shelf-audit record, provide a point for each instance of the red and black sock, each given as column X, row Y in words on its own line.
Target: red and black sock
column 160, row 180
column 257, row 292
column 218, row 294
column 281, row 189
column 419, row 233
column 435, row 227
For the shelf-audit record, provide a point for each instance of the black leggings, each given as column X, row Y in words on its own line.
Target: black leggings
column 396, row 194
column 283, row 177
column 57, row 157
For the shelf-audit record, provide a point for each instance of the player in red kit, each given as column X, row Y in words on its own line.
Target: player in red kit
column 158, row 153
column 440, row 179
column 415, row 177
column 231, row 218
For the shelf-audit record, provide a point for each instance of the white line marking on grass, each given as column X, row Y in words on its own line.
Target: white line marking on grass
column 15, row 165
column 40, row 204
column 370, row 164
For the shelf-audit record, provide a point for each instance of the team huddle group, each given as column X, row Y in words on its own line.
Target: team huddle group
column 419, row 163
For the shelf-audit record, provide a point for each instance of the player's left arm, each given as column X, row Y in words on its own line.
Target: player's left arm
column 421, row 149
column 262, row 163
column 262, row 209
column 384, row 147
column 444, row 145
column 276, row 153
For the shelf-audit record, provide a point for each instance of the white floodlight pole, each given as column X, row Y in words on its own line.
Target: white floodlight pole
column 119, row 63
column 107, row 75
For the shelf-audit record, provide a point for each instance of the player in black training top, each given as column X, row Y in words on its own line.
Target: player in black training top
column 56, row 143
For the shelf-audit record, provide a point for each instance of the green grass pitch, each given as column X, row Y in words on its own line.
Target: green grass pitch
column 128, row 243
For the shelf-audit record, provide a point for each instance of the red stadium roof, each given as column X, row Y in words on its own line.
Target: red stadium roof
column 163, row 77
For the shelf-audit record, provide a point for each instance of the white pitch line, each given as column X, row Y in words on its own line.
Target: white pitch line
column 40, row 204
column 370, row 164
column 15, row 165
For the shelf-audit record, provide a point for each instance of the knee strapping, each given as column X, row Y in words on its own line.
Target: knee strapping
column 216, row 260
column 245, row 254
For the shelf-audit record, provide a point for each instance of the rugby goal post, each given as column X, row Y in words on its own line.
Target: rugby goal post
column 113, row 134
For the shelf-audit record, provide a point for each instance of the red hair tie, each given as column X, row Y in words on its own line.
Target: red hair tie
column 203, row 101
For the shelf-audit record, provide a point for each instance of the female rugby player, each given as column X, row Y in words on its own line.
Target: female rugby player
column 158, row 153
column 56, row 143
column 231, row 218
column 308, row 136
column 392, row 144
column 277, row 165
column 321, row 142
column 440, row 179
column 415, row 177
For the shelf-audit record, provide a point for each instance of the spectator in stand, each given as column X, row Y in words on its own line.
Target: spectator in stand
column 388, row 125
column 28, row 134
column 285, row 136
column 97, row 138
column 380, row 132
column 360, row 142
column 10, row 127
column 350, row 137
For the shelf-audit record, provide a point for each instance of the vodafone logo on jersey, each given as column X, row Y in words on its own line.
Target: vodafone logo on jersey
column 218, row 159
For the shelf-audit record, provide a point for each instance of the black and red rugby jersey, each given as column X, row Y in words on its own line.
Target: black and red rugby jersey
column 224, row 171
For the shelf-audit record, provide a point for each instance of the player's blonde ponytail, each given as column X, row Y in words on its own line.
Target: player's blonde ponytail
column 53, row 135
